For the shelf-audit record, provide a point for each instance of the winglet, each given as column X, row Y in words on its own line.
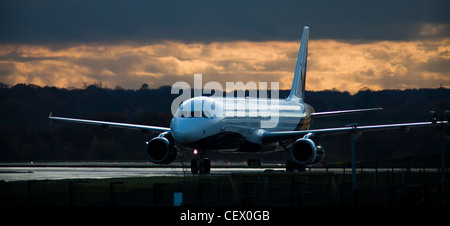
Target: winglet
column 50, row 118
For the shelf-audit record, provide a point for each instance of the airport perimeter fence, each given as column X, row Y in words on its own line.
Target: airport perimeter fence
column 404, row 182
column 253, row 189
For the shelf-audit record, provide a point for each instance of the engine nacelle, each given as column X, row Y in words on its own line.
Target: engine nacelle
column 161, row 149
column 306, row 152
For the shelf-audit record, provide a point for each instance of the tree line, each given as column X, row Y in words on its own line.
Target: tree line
column 27, row 135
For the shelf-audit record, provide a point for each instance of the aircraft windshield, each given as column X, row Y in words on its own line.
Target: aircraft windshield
column 201, row 107
column 193, row 114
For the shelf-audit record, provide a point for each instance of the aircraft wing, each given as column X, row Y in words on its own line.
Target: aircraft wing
column 107, row 125
column 332, row 113
column 269, row 137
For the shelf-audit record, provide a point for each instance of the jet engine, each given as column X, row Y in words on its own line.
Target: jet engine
column 305, row 151
column 161, row 149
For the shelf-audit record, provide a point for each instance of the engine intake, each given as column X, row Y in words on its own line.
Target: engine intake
column 161, row 149
column 306, row 152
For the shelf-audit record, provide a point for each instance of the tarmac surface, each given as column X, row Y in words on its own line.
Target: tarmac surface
column 104, row 170
column 61, row 171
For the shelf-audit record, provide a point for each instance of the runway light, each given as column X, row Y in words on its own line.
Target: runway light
column 195, row 152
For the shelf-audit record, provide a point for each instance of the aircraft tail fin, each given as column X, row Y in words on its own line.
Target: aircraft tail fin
column 298, row 84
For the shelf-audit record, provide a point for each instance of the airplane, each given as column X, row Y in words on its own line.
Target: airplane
column 223, row 127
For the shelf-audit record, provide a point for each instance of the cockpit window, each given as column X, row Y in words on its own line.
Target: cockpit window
column 193, row 114
column 199, row 107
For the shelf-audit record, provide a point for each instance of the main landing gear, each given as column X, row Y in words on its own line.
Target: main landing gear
column 200, row 165
column 291, row 166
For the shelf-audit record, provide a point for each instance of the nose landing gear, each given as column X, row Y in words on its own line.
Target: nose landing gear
column 200, row 165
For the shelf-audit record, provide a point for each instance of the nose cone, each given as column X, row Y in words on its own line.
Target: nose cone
column 186, row 130
column 195, row 119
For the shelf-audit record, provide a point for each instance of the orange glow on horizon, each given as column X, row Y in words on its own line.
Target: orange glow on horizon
column 331, row 64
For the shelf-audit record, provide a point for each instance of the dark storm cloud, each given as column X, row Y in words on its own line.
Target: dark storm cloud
column 353, row 44
column 61, row 21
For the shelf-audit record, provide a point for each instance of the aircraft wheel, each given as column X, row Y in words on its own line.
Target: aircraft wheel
column 200, row 166
column 289, row 166
column 292, row 166
column 205, row 166
column 194, row 166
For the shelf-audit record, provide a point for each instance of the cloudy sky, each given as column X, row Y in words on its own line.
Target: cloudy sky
column 381, row 44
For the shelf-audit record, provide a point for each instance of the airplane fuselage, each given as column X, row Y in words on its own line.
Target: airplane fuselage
column 236, row 123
